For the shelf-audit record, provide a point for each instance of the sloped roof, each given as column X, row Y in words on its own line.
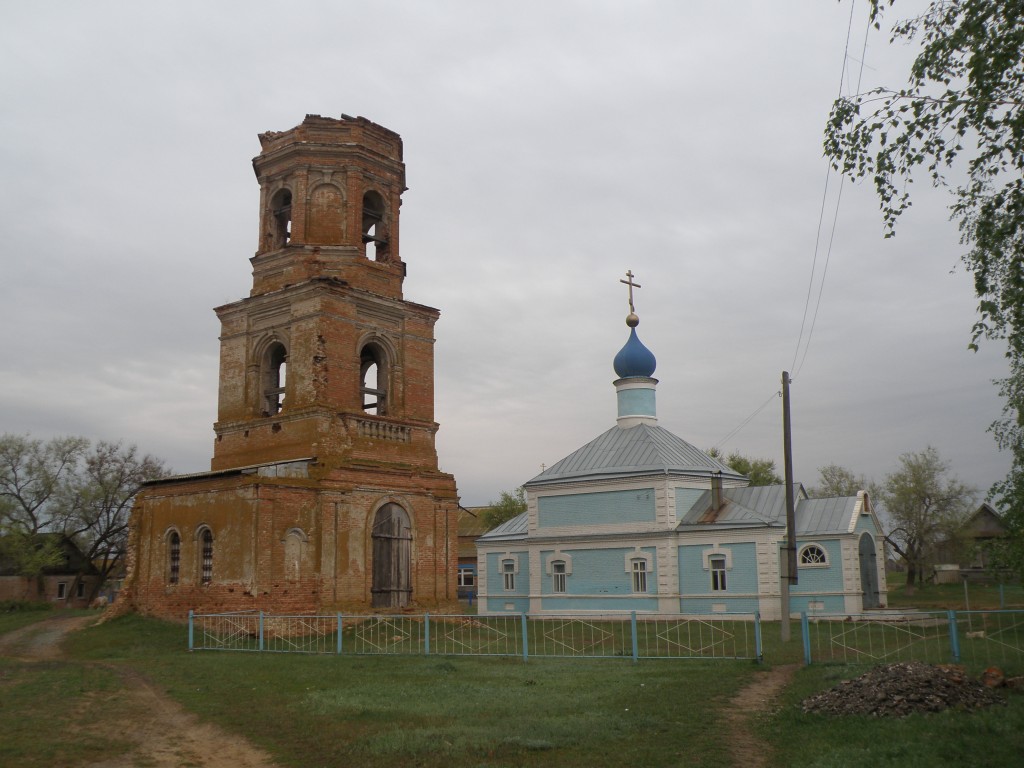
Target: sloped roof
column 766, row 505
column 753, row 507
column 511, row 530
column 643, row 449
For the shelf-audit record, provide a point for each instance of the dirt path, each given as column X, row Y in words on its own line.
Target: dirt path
column 163, row 734
column 756, row 700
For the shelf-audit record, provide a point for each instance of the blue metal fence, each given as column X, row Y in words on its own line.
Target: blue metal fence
column 978, row 638
column 725, row 636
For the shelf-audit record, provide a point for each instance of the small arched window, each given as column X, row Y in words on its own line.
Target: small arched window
column 558, row 576
column 375, row 234
column 173, row 557
column 373, row 379
column 812, row 555
column 273, row 372
column 280, row 218
column 639, row 575
column 206, row 553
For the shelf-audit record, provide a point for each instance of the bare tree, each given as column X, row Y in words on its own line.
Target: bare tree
column 65, row 486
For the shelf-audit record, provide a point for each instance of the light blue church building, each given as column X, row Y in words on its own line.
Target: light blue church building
column 640, row 520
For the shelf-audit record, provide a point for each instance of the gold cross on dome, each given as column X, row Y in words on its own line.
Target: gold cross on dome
column 632, row 285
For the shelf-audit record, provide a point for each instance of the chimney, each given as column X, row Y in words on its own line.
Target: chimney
column 716, row 491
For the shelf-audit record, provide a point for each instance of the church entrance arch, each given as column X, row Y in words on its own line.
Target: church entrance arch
column 869, row 571
column 392, row 558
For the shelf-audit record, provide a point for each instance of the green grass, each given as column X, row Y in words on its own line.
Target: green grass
column 435, row 711
column 929, row 597
column 990, row 737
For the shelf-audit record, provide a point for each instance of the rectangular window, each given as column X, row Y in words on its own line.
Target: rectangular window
column 508, row 570
column 717, row 574
column 558, row 576
column 466, row 577
column 81, row 590
column 639, row 575
column 62, row 590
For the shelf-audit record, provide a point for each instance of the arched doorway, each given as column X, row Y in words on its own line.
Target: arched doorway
column 869, row 571
column 392, row 558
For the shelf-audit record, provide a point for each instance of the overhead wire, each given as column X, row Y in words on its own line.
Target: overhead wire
column 843, row 78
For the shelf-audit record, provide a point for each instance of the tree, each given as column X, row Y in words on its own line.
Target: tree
column 65, row 486
column 758, row 471
column 509, row 504
column 836, row 481
column 100, row 502
column 961, row 113
column 923, row 505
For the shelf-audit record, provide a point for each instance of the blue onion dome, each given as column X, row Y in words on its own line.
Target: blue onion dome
column 634, row 359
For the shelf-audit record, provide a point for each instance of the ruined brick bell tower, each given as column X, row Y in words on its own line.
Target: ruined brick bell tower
column 324, row 489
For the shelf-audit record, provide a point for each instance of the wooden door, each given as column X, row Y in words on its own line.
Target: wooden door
column 392, row 558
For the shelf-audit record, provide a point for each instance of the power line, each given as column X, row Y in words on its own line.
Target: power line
column 746, row 421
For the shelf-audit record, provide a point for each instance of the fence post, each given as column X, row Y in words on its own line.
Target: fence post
column 632, row 632
column 954, row 639
column 805, row 630
column 758, row 646
column 191, row 615
column 526, row 642
column 261, row 630
column 339, row 634
column 426, row 638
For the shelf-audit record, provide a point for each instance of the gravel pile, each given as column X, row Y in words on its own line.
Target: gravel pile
column 901, row 689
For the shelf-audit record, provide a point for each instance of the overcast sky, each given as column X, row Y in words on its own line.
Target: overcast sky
column 550, row 146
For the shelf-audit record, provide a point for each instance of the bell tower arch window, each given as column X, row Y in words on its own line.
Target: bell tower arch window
column 273, row 372
column 281, row 218
column 375, row 234
column 373, row 379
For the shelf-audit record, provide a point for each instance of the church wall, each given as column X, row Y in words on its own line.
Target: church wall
column 596, row 571
column 685, row 499
column 598, row 603
column 695, row 584
column 498, row 599
column 608, row 508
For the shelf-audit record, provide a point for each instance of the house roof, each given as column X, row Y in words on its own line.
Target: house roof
column 643, row 449
column 752, row 507
column 72, row 560
column 765, row 505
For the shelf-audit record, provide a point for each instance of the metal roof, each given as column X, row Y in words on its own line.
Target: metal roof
column 766, row 505
column 511, row 530
column 639, row 450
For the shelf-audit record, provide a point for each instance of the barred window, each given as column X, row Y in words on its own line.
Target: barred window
column 174, row 557
column 207, row 555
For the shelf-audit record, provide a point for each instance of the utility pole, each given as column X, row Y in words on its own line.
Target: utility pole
column 788, row 563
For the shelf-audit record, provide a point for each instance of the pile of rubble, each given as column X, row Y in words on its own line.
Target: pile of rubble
column 897, row 690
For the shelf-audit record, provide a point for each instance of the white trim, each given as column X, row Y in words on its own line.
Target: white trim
column 638, row 554
column 558, row 555
column 800, row 554
column 717, row 551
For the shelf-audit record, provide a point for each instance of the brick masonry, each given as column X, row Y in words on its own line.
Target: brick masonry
column 299, row 473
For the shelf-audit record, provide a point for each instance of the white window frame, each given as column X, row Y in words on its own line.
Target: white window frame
column 823, row 563
column 62, row 590
column 558, row 574
column 718, row 565
column 640, row 575
column 463, row 573
column 508, row 573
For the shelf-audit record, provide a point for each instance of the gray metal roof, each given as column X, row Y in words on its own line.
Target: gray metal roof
column 766, row 505
column 639, row 450
column 511, row 530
